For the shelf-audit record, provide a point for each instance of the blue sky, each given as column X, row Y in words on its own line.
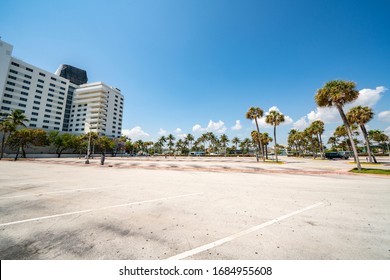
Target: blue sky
column 194, row 66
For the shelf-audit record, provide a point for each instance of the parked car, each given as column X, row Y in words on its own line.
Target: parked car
column 342, row 155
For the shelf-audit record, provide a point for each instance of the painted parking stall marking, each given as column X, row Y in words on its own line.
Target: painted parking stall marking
column 97, row 209
column 240, row 234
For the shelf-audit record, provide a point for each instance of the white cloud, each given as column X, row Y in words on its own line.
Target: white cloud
column 301, row 124
column 218, row 127
column 237, row 126
column 287, row 120
column 384, row 116
column 368, row 97
column 162, row 132
column 135, row 133
column 325, row 114
column 198, row 128
column 178, row 130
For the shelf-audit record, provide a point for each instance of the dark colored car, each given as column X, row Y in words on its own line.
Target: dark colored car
column 332, row 155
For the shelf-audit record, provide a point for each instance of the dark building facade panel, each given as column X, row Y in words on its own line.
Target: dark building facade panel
column 74, row 75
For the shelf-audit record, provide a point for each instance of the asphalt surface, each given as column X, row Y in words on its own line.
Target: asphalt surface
column 191, row 208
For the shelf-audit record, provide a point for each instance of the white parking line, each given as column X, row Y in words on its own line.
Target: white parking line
column 55, row 192
column 239, row 234
column 97, row 209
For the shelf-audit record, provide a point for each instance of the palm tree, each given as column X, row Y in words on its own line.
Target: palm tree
column 203, row 138
column 236, row 141
column 275, row 118
column 379, row 137
column 318, row 128
column 9, row 124
column 337, row 93
column 255, row 113
column 18, row 118
column 6, row 126
column 266, row 140
column 160, row 143
column 224, row 140
column 189, row 139
column 362, row 115
column 333, row 141
column 170, row 139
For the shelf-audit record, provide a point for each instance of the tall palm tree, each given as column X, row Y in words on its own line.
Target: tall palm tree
column 224, row 140
column 379, row 137
column 161, row 142
column 6, row 127
column 255, row 113
column 18, row 118
column 9, row 124
column 274, row 118
column 333, row 141
column 170, row 139
column 266, row 139
column 337, row 93
column 362, row 115
column 318, row 127
column 189, row 139
column 236, row 141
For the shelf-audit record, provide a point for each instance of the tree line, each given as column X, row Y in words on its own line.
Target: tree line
column 336, row 93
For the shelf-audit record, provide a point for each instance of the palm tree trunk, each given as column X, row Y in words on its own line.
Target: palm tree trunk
column 321, row 146
column 275, row 150
column 344, row 118
column 369, row 152
column 260, row 143
column 2, row 146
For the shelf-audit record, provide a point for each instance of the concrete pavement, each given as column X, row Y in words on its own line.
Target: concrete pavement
column 161, row 208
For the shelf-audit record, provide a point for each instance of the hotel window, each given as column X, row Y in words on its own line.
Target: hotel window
column 38, row 91
column 27, row 82
column 37, row 102
column 40, row 86
column 41, row 81
column 34, row 119
column 24, row 87
column 32, row 125
column 10, row 83
column 34, row 113
column 13, row 71
column 24, row 93
column 43, row 75
column 45, row 126
column 15, row 64
column 27, row 76
column 37, row 97
column 12, row 77
column 22, row 105
column 54, row 79
column 23, row 99
column 29, row 69
column 35, row 108
column 7, row 95
column 5, row 108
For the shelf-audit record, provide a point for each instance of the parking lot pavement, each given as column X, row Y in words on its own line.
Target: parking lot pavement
column 70, row 210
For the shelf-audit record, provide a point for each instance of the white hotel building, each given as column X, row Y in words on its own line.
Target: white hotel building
column 61, row 101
